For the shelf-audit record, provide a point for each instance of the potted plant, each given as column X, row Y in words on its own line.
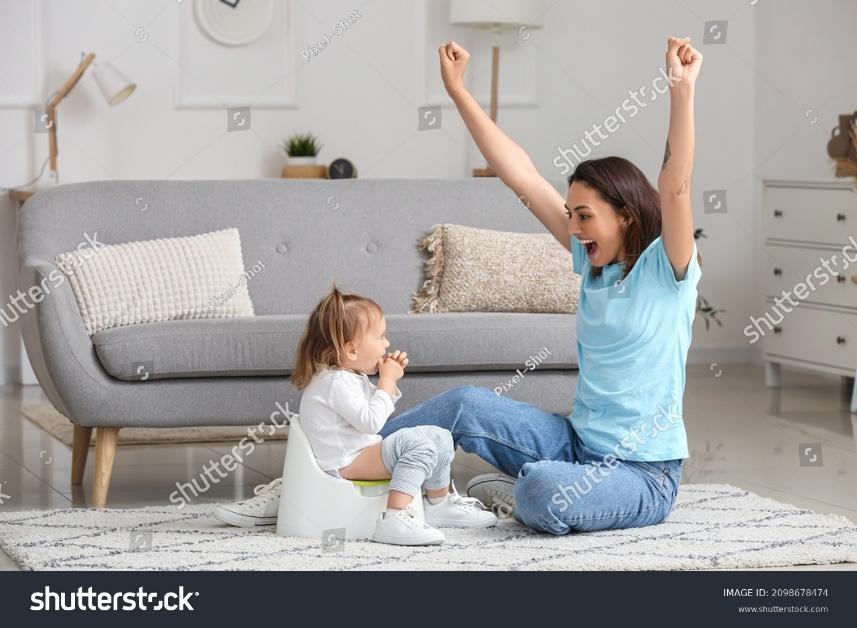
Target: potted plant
column 302, row 149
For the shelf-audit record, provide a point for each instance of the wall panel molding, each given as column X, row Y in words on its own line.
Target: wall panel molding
column 225, row 76
column 27, row 23
column 431, row 21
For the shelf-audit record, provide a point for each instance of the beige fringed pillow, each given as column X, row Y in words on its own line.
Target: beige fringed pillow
column 480, row 270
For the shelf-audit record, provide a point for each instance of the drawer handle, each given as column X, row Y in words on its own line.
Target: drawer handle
column 778, row 330
column 840, row 278
column 840, row 340
column 778, row 271
column 840, row 217
column 778, row 213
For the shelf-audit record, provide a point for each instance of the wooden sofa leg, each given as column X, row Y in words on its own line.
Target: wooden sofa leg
column 105, row 452
column 79, row 452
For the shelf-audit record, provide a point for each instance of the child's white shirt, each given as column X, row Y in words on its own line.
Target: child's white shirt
column 341, row 413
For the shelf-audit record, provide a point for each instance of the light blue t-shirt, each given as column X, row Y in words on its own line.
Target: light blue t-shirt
column 632, row 342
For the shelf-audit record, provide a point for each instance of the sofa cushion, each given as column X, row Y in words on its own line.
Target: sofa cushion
column 484, row 270
column 192, row 277
column 267, row 345
column 484, row 341
column 220, row 347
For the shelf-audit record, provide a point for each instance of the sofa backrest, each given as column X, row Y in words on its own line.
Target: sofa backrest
column 302, row 234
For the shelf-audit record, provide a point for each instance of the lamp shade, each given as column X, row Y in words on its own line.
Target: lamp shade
column 115, row 86
column 497, row 14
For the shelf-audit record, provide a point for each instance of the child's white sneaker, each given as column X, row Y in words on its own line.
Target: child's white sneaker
column 458, row 512
column 259, row 510
column 403, row 528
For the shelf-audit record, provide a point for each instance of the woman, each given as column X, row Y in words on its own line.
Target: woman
column 615, row 462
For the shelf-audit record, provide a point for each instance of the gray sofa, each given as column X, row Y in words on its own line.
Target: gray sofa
column 361, row 233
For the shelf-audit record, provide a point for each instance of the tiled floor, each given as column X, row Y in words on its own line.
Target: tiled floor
column 740, row 433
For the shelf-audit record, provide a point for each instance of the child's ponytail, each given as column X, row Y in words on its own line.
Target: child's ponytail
column 337, row 319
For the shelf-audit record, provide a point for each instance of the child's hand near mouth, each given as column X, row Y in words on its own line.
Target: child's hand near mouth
column 391, row 368
column 399, row 356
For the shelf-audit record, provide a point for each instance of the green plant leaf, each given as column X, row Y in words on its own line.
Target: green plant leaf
column 302, row 145
column 707, row 312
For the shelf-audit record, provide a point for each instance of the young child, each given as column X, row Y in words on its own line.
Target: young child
column 341, row 412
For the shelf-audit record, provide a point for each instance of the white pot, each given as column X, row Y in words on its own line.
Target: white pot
column 302, row 161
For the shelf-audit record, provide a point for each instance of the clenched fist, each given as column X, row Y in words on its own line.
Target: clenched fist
column 683, row 61
column 453, row 61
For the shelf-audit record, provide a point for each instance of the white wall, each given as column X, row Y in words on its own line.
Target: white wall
column 806, row 56
column 361, row 96
column 807, row 63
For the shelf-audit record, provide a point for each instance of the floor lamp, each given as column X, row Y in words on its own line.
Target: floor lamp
column 496, row 16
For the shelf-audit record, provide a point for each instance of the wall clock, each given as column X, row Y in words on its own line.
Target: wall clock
column 234, row 22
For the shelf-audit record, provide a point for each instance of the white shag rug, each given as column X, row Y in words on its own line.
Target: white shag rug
column 713, row 526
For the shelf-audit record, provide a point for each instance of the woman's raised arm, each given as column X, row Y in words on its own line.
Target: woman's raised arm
column 683, row 63
column 506, row 158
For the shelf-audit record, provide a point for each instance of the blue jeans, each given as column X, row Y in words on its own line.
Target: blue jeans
column 561, row 485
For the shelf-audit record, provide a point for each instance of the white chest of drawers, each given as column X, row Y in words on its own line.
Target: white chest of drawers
column 810, row 278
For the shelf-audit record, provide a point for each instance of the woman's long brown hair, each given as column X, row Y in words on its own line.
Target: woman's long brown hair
column 337, row 319
column 624, row 186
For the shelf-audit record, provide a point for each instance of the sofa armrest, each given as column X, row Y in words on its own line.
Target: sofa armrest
column 56, row 341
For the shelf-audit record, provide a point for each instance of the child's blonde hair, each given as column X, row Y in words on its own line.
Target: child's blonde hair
column 337, row 319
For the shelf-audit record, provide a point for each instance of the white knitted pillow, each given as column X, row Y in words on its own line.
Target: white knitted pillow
column 159, row 280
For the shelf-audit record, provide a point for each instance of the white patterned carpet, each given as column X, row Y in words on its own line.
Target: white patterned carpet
column 713, row 526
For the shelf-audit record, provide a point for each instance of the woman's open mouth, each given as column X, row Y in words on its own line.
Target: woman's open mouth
column 591, row 247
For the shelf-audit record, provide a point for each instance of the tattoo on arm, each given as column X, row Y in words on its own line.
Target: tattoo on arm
column 666, row 155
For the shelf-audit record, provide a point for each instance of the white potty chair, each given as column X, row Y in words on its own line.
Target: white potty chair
column 313, row 502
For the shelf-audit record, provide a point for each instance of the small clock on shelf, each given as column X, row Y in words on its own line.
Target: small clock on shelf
column 341, row 168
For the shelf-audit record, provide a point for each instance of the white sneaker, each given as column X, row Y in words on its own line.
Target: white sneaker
column 260, row 510
column 403, row 528
column 495, row 490
column 458, row 512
